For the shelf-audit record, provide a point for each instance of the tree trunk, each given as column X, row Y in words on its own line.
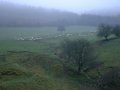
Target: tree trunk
column 99, row 73
column 79, row 69
column 81, row 59
column 106, row 38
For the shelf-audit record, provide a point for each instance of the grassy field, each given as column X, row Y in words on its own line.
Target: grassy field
column 49, row 37
column 36, row 67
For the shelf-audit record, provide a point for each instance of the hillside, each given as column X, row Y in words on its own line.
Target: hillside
column 29, row 71
column 20, row 15
column 95, row 20
column 32, row 71
column 33, row 65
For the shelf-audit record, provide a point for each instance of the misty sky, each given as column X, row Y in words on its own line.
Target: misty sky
column 71, row 5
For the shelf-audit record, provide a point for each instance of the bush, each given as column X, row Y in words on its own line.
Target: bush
column 104, row 31
column 111, row 80
column 116, row 31
column 61, row 28
column 78, row 54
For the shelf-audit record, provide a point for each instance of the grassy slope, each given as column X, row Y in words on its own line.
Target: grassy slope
column 36, row 72
column 12, row 33
column 45, row 72
column 9, row 35
column 109, row 52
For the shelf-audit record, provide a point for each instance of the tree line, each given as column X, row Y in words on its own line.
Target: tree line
column 17, row 15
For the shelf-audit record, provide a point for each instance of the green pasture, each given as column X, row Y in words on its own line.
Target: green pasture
column 32, row 64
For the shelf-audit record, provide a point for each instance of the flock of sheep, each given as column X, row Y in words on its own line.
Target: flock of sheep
column 53, row 36
column 45, row 37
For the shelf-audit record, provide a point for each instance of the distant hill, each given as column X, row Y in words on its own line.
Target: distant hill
column 113, row 11
column 93, row 20
column 20, row 15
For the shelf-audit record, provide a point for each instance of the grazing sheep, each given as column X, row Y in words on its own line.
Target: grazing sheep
column 68, row 35
column 21, row 39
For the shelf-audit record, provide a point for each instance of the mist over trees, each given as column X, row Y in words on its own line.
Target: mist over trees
column 20, row 15
column 104, row 31
column 17, row 15
column 116, row 30
column 95, row 20
column 61, row 28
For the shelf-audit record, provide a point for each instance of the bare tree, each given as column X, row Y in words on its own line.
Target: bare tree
column 116, row 30
column 104, row 31
column 78, row 54
column 61, row 28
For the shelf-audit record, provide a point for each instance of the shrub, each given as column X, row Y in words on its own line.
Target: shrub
column 61, row 28
column 116, row 31
column 110, row 80
column 104, row 31
column 78, row 54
